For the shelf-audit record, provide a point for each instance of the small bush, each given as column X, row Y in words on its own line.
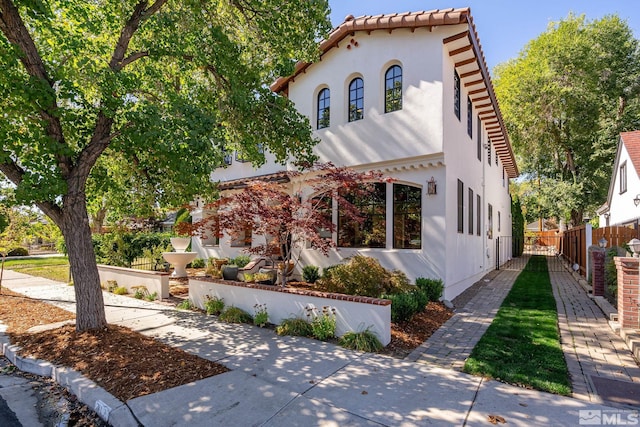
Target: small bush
column 405, row 305
column 294, row 326
column 362, row 276
column 19, row 251
column 261, row 317
column 310, row 273
column 111, row 285
column 198, row 263
column 120, row 290
column 241, row 260
column 185, row 305
column 151, row 297
column 432, row 287
column 361, row 341
column 213, row 305
column 235, row 315
column 323, row 324
column 249, row 277
column 140, row 292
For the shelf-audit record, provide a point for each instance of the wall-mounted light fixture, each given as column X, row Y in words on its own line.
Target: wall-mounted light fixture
column 607, row 216
column 431, row 187
column 634, row 245
column 636, row 201
column 602, row 243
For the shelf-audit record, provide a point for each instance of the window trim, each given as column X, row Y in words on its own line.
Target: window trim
column 395, row 214
column 326, row 106
column 354, row 100
column 471, row 212
column 623, row 177
column 387, row 90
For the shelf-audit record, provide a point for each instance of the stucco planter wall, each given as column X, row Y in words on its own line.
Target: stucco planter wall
column 353, row 313
column 154, row 281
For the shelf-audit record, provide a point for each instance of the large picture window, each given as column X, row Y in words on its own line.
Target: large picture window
column 371, row 233
column 324, row 107
column 407, row 217
column 393, row 89
column 356, row 99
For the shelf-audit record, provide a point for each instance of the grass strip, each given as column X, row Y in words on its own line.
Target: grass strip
column 522, row 344
column 54, row 268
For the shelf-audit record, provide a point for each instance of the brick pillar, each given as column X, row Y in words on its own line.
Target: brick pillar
column 597, row 272
column 628, row 292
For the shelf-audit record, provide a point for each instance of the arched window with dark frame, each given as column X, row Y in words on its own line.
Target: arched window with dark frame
column 356, row 99
column 324, row 106
column 393, row 89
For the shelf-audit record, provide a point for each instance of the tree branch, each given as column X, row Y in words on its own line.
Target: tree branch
column 133, row 57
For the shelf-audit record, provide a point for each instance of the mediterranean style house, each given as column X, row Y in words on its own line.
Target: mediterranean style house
column 623, row 200
column 408, row 95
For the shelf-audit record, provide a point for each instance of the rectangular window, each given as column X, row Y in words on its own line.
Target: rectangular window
column 499, row 221
column 623, row 177
column 371, row 233
column 479, row 138
column 323, row 205
column 469, row 118
column 407, row 217
column 478, row 215
column 460, row 207
column 456, row 94
column 489, row 152
column 242, row 238
column 490, row 222
column 503, row 176
column 471, row 212
column 209, row 234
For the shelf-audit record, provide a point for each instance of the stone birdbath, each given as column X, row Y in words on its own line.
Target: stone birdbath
column 179, row 259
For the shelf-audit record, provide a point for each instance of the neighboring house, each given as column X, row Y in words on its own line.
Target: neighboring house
column 408, row 95
column 623, row 201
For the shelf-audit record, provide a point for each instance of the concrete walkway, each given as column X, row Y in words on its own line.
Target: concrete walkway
column 292, row 381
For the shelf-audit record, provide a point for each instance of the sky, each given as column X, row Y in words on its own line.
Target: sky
column 504, row 26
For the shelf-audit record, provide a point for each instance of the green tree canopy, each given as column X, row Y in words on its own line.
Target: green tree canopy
column 564, row 100
column 163, row 87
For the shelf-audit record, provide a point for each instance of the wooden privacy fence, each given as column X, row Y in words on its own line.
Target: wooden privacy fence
column 572, row 243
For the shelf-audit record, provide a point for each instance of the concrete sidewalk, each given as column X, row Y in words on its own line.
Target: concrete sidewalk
column 290, row 381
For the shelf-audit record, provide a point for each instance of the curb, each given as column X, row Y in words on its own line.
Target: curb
column 110, row 409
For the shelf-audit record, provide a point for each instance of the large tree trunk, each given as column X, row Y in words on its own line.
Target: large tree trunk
column 84, row 270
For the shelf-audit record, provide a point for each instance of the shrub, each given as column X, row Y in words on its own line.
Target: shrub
column 120, row 290
column 235, row 315
column 151, row 297
column 361, row 341
column 241, row 260
column 140, row 292
column 185, row 305
column 432, row 287
column 294, row 326
column 310, row 273
column 249, row 277
column 111, row 285
column 362, row 276
column 404, row 305
column 213, row 305
column 198, row 263
column 323, row 324
column 19, row 251
column 261, row 317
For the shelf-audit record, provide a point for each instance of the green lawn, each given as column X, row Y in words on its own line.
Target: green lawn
column 54, row 268
column 522, row 345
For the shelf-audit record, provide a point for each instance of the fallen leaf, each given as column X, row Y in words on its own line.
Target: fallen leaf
column 495, row 419
column 364, row 392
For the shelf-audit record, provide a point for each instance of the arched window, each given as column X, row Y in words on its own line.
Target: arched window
column 324, row 104
column 393, row 89
column 356, row 99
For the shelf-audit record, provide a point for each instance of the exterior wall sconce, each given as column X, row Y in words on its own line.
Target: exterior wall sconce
column 634, row 245
column 608, row 215
column 636, row 201
column 431, row 188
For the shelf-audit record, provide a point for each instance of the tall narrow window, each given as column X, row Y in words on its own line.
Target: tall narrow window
column 371, row 233
column 499, row 225
column 323, row 205
column 490, row 221
column 479, row 138
column 471, row 212
column 356, row 99
column 623, row 177
column 393, row 89
column 407, row 217
column 324, row 104
column 469, row 118
column 242, row 238
column 489, row 152
column 478, row 214
column 460, row 207
column 456, row 94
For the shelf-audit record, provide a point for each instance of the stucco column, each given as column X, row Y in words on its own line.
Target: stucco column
column 597, row 272
column 628, row 292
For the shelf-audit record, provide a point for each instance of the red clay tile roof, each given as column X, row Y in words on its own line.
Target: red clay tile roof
column 464, row 48
column 631, row 141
